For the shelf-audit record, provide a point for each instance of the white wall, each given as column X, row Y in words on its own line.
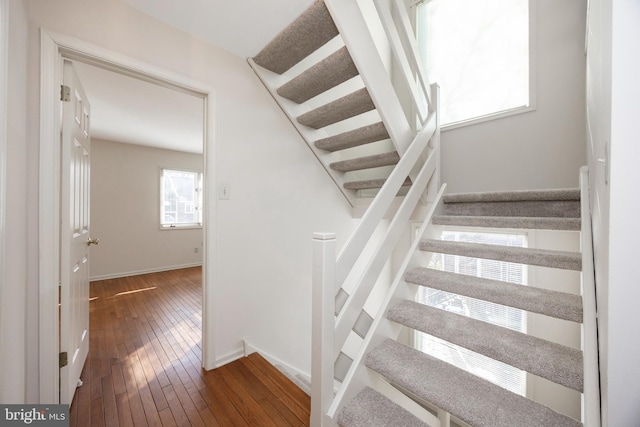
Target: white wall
column 125, row 203
column 624, row 351
column 280, row 195
column 612, row 93
column 539, row 149
column 13, row 313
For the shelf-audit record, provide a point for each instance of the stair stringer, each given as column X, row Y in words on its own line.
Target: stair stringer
column 357, row 37
column 272, row 82
column 356, row 33
column 359, row 375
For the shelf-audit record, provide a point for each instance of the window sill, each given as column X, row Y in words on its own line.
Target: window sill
column 487, row 118
column 181, row 227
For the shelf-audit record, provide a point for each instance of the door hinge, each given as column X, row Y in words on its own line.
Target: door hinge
column 63, row 359
column 65, row 93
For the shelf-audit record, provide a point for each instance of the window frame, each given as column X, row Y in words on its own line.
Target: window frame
column 197, row 204
column 532, row 105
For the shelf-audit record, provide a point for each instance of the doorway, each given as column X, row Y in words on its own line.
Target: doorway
column 54, row 49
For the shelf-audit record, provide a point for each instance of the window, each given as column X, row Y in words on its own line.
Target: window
column 180, row 199
column 478, row 51
column 497, row 372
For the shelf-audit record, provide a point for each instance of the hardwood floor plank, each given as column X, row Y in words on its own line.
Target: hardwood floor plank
column 241, row 398
column 124, row 410
column 176, row 408
column 208, row 418
column 109, row 403
column 301, row 410
column 265, row 398
column 167, row 418
column 97, row 412
column 83, row 397
column 135, row 400
column 145, row 364
column 220, row 404
column 118, row 379
column 283, row 382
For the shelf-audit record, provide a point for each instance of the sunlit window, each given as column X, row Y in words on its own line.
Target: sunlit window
column 478, row 51
column 180, row 199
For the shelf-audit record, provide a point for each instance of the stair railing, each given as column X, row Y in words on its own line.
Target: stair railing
column 591, row 393
column 356, row 33
column 404, row 47
column 329, row 272
column 335, row 312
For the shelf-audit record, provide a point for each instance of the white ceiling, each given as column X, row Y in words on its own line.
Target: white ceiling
column 242, row 27
column 125, row 109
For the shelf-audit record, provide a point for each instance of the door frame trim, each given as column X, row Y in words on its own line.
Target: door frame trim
column 4, row 136
column 53, row 48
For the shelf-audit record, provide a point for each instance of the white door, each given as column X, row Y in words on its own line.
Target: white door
column 74, row 233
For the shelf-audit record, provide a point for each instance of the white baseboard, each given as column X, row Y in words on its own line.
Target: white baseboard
column 139, row 272
column 229, row 357
column 248, row 349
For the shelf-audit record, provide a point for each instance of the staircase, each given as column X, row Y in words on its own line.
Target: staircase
column 311, row 72
column 326, row 74
column 430, row 381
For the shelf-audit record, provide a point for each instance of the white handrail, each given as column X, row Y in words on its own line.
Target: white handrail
column 365, row 284
column 409, row 66
column 356, row 35
column 329, row 336
column 412, row 46
column 591, row 393
column 381, row 203
column 354, row 378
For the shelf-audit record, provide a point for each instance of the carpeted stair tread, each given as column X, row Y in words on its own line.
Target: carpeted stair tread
column 369, row 184
column 527, row 208
column 306, row 34
column 540, row 257
column 354, row 138
column 472, row 399
column 556, row 304
column 367, row 162
column 343, row 108
column 330, row 72
column 372, row 409
column 571, row 194
column 532, row 223
column 555, row 362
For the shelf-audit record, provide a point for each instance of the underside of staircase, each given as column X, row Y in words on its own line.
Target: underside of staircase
column 310, row 73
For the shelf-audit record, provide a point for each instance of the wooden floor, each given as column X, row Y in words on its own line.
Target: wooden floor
column 144, row 364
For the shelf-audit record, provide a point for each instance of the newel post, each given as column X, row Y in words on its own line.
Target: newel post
column 322, row 325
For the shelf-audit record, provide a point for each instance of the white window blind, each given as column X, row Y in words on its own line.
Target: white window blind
column 499, row 373
column 478, row 51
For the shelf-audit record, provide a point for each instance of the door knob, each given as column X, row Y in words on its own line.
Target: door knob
column 91, row 241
